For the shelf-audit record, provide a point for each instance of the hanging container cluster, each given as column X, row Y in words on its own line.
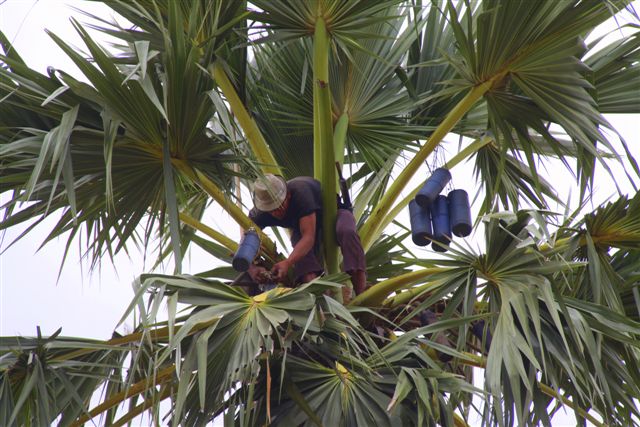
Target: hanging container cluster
column 435, row 217
column 247, row 251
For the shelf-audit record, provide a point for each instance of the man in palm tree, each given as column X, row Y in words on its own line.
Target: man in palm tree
column 297, row 205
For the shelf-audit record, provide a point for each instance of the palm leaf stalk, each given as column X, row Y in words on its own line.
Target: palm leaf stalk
column 219, row 196
column 160, row 378
column 257, row 142
column 376, row 294
column 228, row 243
column 157, row 334
column 550, row 392
column 149, row 402
column 546, row 305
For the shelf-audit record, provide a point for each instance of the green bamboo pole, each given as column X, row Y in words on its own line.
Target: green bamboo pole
column 375, row 295
column 339, row 141
column 368, row 230
column 252, row 132
column 323, row 127
column 391, row 216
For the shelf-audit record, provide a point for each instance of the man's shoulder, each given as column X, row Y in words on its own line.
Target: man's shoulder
column 304, row 185
column 260, row 218
column 304, row 181
column 306, row 196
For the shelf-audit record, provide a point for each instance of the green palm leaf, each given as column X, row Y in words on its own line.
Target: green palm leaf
column 531, row 94
column 121, row 152
column 196, row 94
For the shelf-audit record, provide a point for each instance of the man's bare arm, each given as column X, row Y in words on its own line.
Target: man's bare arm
column 307, row 226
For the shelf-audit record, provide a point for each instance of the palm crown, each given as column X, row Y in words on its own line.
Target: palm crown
column 201, row 97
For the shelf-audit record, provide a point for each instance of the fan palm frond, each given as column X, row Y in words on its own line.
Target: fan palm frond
column 114, row 140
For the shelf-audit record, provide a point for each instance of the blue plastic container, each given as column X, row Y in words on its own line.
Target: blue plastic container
column 420, row 219
column 247, row 251
column 433, row 186
column 460, row 213
column 441, row 225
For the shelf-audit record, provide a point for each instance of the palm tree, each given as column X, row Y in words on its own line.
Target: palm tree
column 201, row 97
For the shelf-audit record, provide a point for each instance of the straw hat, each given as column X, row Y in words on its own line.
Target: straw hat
column 269, row 192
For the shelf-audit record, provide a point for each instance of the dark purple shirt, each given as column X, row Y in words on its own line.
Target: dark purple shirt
column 305, row 199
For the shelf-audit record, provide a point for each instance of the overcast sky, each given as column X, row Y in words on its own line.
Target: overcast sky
column 83, row 304
column 90, row 305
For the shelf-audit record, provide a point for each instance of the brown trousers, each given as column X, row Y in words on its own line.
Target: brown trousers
column 347, row 236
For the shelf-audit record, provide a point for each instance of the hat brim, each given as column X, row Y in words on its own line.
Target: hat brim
column 272, row 201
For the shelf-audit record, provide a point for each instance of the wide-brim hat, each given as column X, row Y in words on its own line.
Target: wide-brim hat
column 269, row 192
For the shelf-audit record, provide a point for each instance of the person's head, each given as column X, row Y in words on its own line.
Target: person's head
column 270, row 195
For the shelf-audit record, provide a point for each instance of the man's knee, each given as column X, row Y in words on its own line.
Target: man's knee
column 343, row 233
column 345, row 226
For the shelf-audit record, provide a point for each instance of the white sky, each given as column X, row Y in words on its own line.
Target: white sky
column 91, row 305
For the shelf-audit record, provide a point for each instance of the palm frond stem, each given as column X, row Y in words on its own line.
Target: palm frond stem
column 215, row 235
column 137, row 388
column 474, row 360
column 556, row 244
column 148, row 403
column 407, row 295
column 154, row 335
column 375, row 295
column 596, row 239
column 468, row 151
column 552, row 393
column 458, row 421
column 232, row 209
column 255, row 138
